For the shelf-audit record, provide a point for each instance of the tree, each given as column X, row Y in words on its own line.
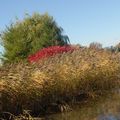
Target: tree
column 95, row 45
column 26, row 37
column 111, row 49
column 117, row 48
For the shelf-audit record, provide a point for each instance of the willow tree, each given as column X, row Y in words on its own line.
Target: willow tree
column 27, row 36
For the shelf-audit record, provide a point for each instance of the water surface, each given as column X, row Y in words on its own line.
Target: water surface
column 107, row 108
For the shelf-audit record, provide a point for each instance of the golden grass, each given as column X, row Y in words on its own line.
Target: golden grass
column 59, row 78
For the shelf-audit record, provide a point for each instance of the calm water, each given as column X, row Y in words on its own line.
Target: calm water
column 106, row 109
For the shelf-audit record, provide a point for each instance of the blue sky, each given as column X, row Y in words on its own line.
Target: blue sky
column 84, row 21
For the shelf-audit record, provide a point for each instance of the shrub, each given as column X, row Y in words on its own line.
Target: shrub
column 50, row 51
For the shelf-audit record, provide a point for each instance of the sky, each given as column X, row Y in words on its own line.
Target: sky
column 84, row 21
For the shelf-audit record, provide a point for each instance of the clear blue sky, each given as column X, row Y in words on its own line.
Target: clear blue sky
column 84, row 21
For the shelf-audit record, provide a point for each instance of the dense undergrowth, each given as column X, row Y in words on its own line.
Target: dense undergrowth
column 62, row 78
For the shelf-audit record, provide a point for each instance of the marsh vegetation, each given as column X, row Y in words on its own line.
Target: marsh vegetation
column 53, row 84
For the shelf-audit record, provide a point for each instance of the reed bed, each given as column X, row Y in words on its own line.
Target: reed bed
column 63, row 78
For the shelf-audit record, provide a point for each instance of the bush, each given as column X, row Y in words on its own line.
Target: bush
column 50, row 51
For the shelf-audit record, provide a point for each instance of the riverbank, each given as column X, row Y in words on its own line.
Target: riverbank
column 52, row 84
column 104, row 107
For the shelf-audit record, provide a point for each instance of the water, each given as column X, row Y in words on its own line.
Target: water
column 107, row 108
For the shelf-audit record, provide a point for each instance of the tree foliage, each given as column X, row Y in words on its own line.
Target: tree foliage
column 95, row 45
column 33, row 33
column 117, row 48
column 114, row 49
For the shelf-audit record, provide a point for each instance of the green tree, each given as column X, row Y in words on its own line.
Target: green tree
column 26, row 37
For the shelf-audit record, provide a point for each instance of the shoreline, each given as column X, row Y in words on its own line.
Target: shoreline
column 68, row 108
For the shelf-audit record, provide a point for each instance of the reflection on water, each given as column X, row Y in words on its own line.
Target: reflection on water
column 105, row 109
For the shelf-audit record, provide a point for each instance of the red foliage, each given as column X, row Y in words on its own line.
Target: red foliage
column 50, row 51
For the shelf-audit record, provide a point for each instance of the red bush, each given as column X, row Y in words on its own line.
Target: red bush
column 50, row 51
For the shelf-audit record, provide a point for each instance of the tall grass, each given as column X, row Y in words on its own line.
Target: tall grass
column 63, row 77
